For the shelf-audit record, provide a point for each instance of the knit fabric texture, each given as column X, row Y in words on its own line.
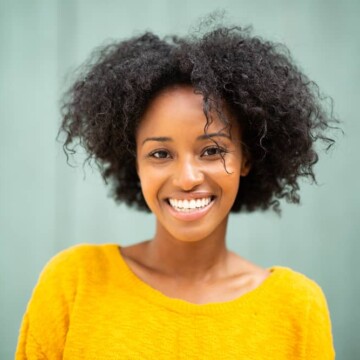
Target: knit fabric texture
column 88, row 304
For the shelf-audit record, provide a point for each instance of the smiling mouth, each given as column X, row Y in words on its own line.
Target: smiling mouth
column 192, row 205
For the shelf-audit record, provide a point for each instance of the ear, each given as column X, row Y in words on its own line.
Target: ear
column 137, row 166
column 245, row 165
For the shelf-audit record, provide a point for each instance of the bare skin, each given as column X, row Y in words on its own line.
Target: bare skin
column 188, row 258
column 238, row 277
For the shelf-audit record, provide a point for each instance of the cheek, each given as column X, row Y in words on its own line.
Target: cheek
column 226, row 175
column 229, row 184
column 150, row 184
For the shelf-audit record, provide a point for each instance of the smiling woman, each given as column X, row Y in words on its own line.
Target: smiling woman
column 179, row 166
column 190, row 129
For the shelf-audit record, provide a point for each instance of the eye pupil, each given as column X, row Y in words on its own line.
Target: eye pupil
column 160, row 154
column 212, row 151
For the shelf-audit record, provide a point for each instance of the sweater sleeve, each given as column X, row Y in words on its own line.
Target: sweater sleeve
column 45, row 323
column 319, row 339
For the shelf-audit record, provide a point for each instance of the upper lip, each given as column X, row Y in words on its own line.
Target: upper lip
column 191, row 196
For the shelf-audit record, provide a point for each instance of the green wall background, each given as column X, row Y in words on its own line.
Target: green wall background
column 46, row 206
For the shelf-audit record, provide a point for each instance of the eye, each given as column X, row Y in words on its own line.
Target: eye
column 214, row 150
column 160, row 154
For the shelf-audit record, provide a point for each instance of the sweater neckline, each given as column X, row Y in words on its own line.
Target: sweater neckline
column 140, row 287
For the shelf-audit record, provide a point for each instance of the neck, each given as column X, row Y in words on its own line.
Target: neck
column 203, row 260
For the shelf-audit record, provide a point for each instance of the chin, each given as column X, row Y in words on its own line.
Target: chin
column 192, row 234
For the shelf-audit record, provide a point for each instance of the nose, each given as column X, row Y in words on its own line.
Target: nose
column 188, row 175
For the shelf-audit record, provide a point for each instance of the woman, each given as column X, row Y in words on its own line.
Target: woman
column 190, row 129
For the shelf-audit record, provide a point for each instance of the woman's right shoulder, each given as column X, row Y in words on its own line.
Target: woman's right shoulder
column 49, row 309
column 77, row 259
column 77, row 251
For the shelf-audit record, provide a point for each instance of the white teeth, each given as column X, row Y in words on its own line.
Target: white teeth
column 188, row 205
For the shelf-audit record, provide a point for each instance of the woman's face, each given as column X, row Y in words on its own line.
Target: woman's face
column 182, row 174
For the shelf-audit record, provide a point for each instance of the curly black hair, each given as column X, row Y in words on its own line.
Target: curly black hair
column 280, row 110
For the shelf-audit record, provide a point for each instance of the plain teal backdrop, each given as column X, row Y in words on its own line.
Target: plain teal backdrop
column 46, row 206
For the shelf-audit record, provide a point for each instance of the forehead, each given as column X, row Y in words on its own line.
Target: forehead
column 179, row 111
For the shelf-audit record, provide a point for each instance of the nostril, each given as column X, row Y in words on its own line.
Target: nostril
column 188, row 180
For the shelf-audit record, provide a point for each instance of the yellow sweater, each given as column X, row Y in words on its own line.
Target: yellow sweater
column 88, row 304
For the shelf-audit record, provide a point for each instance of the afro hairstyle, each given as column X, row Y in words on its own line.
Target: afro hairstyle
column 280, row 111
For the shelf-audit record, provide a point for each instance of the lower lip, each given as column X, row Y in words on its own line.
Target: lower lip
column 190, row 216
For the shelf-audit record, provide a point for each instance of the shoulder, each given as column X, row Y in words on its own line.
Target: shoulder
column 68, row 276
column 308, row 296
column 299, row 298
column 76, row 263
column 298, row 288
column 296, row 280
column 79, row 251
column 79, row 254
column 303, row 306
column 80, row 265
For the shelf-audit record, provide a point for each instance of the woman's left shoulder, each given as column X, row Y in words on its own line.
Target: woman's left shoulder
column 301, row 301
column 297, row 284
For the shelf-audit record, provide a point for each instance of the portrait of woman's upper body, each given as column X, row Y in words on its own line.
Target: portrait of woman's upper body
column 190, row 129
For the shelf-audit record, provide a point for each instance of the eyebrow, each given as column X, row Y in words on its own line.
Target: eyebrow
column 157, row 138
column 201, row 137
column 207, row 136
